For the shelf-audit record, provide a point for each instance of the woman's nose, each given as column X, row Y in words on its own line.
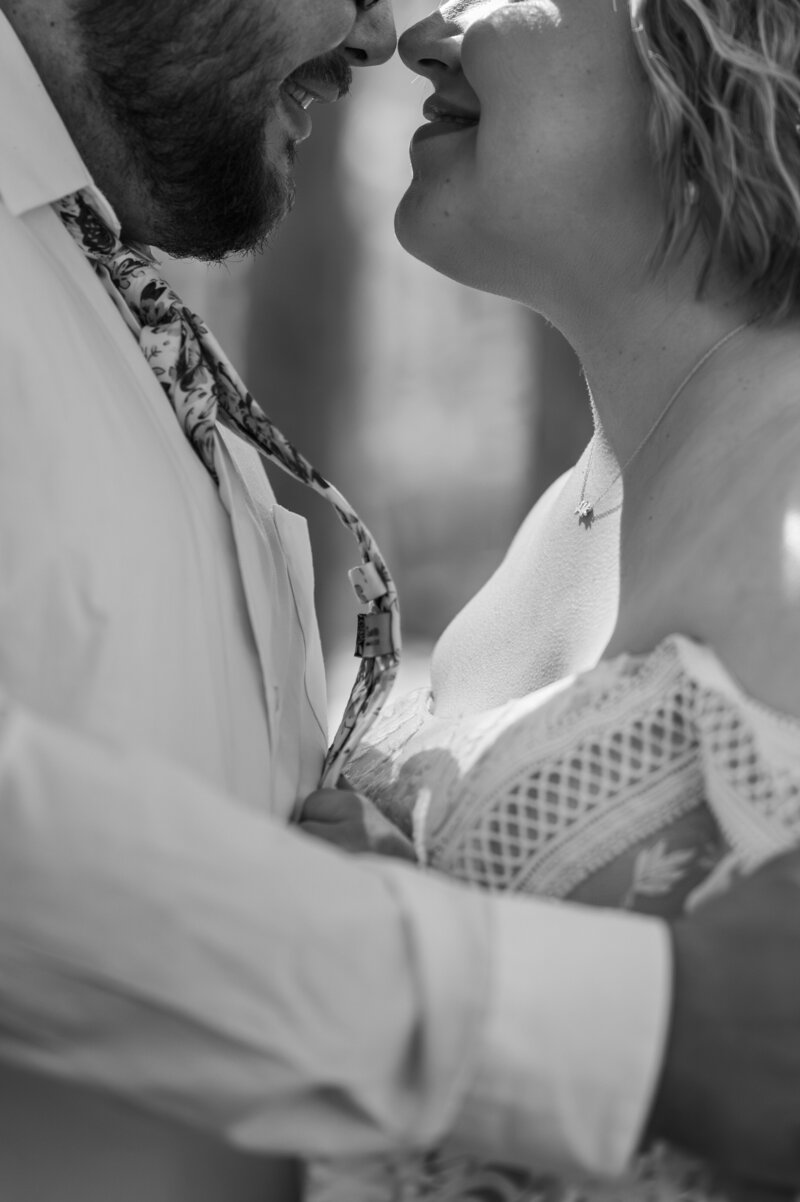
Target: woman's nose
column 373, row 38
column 431, row 47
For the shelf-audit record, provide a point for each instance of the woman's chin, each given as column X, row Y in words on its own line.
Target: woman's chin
column 433, row 240
column 456, row 250
column 409, row 227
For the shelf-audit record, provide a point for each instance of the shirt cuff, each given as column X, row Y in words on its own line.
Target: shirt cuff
column 574, row 1038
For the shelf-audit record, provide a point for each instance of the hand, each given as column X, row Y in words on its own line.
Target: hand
column 730, row 1087
column 351, row 821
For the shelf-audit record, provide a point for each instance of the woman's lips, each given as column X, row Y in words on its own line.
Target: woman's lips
column 443, row 119
column 434, row 129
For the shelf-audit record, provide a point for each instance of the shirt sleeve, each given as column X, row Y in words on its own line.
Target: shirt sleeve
column 160, row 941
column 571, row 1050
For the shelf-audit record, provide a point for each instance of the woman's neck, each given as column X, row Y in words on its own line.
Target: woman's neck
column 639, row 347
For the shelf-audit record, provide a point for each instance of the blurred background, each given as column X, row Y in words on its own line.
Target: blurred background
column 441, row 413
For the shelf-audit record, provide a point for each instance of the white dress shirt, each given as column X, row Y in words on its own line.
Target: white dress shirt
column 169, row 950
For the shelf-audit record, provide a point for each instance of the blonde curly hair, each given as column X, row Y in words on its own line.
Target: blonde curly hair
column 725, row 128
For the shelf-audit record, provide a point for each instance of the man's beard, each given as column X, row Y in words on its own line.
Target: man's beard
column 187, row 87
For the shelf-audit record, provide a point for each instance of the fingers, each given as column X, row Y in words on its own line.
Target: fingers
column 329, row 805
column 352, row 822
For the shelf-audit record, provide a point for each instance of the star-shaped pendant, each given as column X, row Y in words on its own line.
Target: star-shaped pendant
column 585, row 514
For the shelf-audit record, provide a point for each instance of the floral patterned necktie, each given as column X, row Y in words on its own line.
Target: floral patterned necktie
column 202, row 387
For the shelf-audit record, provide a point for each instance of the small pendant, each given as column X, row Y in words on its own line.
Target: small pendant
column 585, row 514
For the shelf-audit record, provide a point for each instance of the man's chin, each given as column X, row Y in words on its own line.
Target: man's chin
column 252, row 237
column 217, row 225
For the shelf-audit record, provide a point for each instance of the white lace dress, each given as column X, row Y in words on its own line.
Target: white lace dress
column 646, row 783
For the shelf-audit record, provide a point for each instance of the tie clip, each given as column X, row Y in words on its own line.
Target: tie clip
column 374, row 635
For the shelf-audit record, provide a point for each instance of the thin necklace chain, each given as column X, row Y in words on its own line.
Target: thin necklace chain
column 585, row 511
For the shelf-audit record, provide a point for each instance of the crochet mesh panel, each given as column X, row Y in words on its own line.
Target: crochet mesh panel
column 545, row 824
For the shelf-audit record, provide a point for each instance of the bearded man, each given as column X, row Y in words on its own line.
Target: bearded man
column 191, row 992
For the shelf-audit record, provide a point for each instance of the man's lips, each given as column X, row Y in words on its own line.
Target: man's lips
column 298, row 96
column 306, row 90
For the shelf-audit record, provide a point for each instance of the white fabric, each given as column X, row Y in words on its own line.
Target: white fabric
column 162, row 937
column 646, row 783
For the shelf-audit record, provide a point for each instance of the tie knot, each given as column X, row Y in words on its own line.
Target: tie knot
column 87, row 227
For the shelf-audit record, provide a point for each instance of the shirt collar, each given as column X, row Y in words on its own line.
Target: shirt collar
column 39, row 162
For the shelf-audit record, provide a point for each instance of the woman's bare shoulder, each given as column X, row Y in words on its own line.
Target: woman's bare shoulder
column 738, row 587
column 717, row 557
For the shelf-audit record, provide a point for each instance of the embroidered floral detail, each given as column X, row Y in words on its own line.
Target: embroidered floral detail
column 657, row 871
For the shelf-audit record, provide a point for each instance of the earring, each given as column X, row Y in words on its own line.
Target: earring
column 691, row 192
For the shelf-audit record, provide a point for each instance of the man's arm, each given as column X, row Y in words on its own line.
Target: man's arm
column 161, row 942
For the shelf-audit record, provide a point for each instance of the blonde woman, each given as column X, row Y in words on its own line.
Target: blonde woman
column 615, row 718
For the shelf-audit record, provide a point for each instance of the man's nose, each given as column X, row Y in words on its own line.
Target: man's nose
column 373, row 38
